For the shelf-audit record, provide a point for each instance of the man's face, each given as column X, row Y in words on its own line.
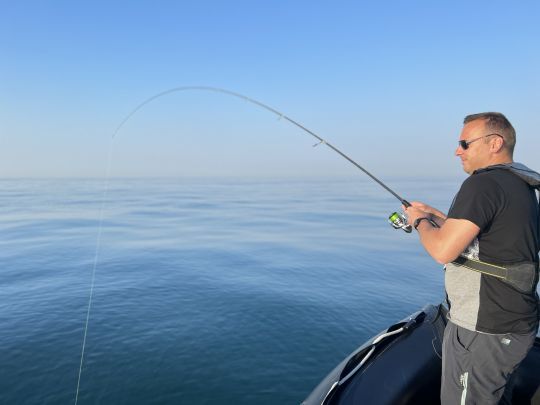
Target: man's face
column 477, row 155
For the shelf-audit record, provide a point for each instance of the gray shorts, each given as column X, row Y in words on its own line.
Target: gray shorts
column 477, row 366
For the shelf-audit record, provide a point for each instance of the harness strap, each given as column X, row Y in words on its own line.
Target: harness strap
column 482, row 267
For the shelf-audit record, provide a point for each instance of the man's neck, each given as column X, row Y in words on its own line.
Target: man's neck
column 500, row 160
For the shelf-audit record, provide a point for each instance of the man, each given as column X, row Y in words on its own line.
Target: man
column 489, row 242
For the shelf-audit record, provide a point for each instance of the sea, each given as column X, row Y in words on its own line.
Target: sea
column 200, row 291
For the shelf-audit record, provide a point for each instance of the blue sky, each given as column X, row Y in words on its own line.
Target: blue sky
column 387, row 82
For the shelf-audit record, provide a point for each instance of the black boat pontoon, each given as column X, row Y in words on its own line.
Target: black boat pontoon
column 402, row 365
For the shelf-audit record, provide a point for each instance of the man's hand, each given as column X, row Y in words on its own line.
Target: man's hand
column 427, row 211
column 415, row 211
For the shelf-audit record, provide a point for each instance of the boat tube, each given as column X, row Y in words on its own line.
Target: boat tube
column 402, row 365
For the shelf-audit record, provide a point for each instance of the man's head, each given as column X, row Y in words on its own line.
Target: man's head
column 486, row 139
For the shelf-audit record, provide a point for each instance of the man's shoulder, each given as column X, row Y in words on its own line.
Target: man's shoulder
column 494, row 174
column 501, row 180
column 484, row 180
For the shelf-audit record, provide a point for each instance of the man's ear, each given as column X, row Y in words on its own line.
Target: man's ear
column 498, row 145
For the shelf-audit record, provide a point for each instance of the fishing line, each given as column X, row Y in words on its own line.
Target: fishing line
column 94, row 265
column 396, row 222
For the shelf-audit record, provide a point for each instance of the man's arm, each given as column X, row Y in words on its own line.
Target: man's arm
column 446, row 243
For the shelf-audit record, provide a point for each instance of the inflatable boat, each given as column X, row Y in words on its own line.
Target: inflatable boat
column 402, row 365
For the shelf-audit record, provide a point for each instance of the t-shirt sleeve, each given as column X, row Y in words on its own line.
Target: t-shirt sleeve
column 478, row 201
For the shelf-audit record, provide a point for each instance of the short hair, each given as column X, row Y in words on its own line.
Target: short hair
column 497, row 122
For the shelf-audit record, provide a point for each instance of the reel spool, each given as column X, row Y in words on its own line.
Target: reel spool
column 399, row 221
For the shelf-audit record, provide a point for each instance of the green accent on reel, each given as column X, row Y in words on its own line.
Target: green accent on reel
column 394, row 218
column 399, row 221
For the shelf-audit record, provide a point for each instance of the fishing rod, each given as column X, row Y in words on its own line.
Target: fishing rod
column 397, row 220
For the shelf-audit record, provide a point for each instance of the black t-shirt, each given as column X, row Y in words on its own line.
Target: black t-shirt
column 505, row 209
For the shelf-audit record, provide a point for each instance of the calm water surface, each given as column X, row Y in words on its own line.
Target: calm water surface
column 206, row 291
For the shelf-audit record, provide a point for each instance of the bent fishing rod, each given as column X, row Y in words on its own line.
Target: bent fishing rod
column 397, row 220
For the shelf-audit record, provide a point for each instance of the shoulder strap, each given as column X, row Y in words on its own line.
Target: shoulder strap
column 528, row 175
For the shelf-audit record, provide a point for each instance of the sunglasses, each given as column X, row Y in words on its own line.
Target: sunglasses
column 465, row 144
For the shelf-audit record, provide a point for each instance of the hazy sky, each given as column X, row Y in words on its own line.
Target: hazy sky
column 387, row 82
